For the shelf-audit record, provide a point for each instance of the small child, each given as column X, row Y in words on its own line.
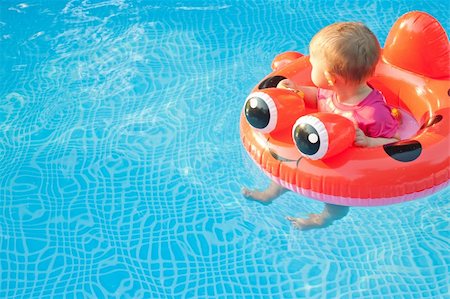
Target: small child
column 343, row 57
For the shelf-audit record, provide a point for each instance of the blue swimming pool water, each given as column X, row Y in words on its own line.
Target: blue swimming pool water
column 121, row 164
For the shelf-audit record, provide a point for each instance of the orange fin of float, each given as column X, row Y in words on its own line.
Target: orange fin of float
column 418, row 43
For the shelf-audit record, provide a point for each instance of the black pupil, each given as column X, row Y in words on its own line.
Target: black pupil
column 302, row 139
column 257, row 112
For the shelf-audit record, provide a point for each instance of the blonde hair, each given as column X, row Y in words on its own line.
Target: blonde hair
column 349, row 49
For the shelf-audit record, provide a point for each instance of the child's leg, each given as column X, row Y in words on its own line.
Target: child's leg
column 273, row 191
column 329, row 214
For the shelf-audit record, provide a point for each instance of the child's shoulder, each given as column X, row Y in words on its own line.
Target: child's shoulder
column 375, row 107
column 374, row 99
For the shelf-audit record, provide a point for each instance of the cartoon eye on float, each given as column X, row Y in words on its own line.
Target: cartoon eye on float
column 322, row 135
column 261, row 112
column 262, row 109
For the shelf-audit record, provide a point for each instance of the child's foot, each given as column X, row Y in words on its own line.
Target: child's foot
column 312, row 222
column 261, row 196
column 273, row 191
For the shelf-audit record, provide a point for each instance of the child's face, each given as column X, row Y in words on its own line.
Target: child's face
column 318, row 71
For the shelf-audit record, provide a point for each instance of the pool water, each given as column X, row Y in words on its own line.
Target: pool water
column 121, row 164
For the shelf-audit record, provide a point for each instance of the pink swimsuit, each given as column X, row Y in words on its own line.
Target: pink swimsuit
column 372, row 115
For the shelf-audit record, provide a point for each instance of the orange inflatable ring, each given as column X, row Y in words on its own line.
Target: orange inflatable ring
column 312, row 153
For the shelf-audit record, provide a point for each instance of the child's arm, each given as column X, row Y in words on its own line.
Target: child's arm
column 365, row 141
column 310, row 92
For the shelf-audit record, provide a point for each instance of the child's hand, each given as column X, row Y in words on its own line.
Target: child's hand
column 287, row 84
column 361, row 139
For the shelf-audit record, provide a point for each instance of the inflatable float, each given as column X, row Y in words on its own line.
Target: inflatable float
column 312, row 153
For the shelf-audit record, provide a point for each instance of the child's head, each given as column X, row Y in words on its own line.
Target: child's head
column 348, row 49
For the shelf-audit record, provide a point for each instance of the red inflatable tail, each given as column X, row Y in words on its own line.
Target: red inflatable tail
column 418, row 43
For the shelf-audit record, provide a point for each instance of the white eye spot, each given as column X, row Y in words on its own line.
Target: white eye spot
column 313, row 138
column 253, row 103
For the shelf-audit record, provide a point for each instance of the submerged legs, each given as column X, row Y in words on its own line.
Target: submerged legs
column 329, row 214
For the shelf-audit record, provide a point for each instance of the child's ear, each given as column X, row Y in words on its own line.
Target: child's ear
column 330, row 78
